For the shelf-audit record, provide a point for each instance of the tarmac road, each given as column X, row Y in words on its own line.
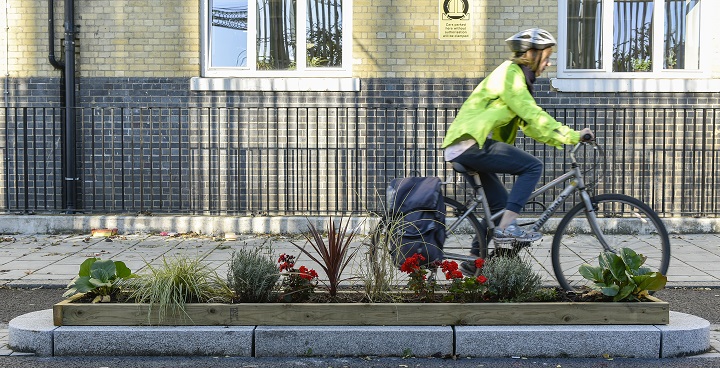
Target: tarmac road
column 702, row 302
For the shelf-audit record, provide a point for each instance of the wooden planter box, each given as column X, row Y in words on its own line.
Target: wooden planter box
column 657, row 312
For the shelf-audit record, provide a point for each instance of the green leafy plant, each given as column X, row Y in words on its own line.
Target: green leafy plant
column 510, row 279
column 641, row 65
column 168, row 287
column 100, row 277
column 464, row 289
column 621, row 276
column 253, row 275
column 334, row 255
column 298, row 284
column 547, row 295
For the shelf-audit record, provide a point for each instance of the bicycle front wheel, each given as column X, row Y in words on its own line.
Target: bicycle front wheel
column 625, row 222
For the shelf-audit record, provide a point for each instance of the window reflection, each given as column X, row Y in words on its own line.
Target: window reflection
column 276, row 44
column 633, row 29
column 584, row 48
column 632, row 36
column 276, row 34
column 324, row 33
column 228, row 36
column 682, row 34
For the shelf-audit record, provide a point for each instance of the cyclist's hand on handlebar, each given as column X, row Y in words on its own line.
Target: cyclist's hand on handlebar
column 586, row 135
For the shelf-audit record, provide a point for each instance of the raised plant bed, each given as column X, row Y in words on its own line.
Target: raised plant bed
column 655, row 312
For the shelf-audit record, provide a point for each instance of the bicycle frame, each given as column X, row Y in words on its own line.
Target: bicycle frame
column 576, row 183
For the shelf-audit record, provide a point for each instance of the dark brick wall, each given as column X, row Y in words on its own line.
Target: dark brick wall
column 151, row 144
column 442, row 93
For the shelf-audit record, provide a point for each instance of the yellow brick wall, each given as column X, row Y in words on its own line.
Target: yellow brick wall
column 24, row 40
column 161, row 38
column 116, row 38
column 400, row 38
column 139, row 38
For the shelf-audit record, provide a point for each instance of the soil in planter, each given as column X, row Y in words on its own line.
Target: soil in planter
column 550, row 295
column 350, row 295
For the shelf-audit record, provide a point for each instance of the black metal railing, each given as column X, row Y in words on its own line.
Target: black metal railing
column 322, row 160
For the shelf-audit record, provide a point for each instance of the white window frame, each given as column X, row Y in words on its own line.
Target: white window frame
column 249, row 78
column 657, row 80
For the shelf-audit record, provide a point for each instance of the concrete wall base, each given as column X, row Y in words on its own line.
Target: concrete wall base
column 219, row 225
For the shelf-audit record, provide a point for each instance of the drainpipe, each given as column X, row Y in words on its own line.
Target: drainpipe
column 57, row 64
column 6, row 90
column 70, row 154
column 67, row 83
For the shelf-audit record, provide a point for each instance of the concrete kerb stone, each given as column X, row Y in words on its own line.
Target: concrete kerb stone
column 289, row 341
column 33, row 284
column 152, row 341
column 575, row 341
column 685, row 335
column 32, row 333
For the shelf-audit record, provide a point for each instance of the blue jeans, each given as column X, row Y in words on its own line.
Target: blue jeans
column 501, row 158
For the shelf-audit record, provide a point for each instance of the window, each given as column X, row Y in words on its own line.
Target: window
column 276, row 38
column 626, row 40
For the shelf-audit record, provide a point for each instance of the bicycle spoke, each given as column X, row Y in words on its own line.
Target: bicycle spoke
column 625, row 222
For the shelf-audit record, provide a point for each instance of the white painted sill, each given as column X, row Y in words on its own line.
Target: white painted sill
column 276, row 84
column 635, row 85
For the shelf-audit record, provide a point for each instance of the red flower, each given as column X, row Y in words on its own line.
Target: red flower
column 286, row 262
column 481, row 279
column 412, row 264
column 448, row 266
column 479, row 262
column 307, row 274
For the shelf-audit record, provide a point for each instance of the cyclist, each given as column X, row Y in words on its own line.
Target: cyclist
column 482, row 135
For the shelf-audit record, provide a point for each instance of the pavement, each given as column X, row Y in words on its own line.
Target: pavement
column 52, row 260
column 28, row 261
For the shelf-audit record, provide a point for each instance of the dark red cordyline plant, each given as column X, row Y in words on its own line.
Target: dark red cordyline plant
column 333, row 255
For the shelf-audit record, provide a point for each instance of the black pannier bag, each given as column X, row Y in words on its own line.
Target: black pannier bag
column 417, row 218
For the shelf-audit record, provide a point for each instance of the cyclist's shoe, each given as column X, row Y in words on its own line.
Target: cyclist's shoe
column 513, row 232
column 468, row 268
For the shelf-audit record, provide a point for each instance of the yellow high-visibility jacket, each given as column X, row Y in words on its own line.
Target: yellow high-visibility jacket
column 501, row 104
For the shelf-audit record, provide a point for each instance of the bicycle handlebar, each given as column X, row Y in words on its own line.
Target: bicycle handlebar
column 586, row 139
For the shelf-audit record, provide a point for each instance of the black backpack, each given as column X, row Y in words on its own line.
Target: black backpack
column 417, row 218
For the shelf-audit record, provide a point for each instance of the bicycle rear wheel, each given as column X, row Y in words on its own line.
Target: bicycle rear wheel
column 465, row 234
column 625, row 222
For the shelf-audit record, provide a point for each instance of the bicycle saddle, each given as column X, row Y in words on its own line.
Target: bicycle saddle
column 470, row 175
column 462, row 169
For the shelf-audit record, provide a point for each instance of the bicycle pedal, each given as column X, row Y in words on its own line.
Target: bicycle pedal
column 504, row 240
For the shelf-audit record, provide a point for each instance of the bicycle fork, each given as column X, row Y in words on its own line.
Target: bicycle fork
column 593, row 221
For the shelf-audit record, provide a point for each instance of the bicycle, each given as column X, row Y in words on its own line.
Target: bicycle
column 605, row 222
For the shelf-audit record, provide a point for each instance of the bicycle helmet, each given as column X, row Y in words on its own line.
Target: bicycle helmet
column 534, row 38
